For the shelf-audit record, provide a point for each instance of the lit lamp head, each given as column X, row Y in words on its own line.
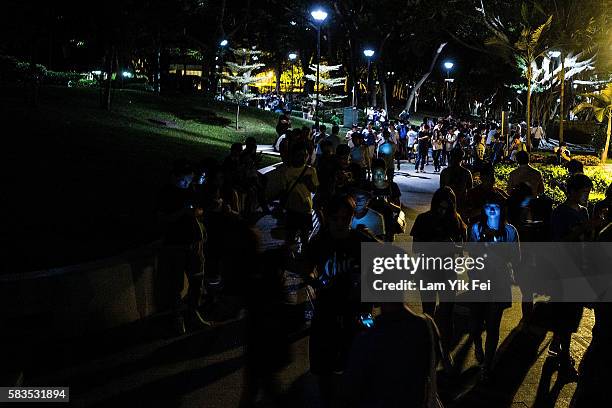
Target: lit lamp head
column 448, row 65
column 223, row 43
column 292, row 56
column 368, row 53
column 319, row 15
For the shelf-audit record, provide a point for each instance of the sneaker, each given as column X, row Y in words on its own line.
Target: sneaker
column 554, row 348
column 196, row 321
column 178, row 324
column 485, row 375
column 567, row 371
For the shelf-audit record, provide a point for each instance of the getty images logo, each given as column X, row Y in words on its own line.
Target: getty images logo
column 414, row 264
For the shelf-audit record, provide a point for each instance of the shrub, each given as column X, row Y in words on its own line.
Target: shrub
column 587, row 160
column 62, row 78
column 554, row 174
column 13, row 70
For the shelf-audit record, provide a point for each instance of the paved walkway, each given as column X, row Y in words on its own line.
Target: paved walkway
column 205, row 368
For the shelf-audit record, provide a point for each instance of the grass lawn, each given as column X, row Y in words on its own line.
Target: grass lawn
column 83, row 182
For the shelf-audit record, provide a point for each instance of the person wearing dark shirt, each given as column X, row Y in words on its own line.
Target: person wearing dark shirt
column 594, row 373
column 424, row 142
column 570, row 223
column 386, row 200
column 441, row 223
column 475, row 196
column 394, row 363
column 284, row 123
column 457, row 177
column 332, row 264
column 183, row 245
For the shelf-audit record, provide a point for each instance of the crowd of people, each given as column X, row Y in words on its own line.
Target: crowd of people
column 208, row 213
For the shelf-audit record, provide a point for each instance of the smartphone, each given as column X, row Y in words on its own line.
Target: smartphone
column 366, row 320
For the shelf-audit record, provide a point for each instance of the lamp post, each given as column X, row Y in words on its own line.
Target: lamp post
column 368, row 54
column 222, row 46
column 448, row 65
column 292, row 57
column 319, row 17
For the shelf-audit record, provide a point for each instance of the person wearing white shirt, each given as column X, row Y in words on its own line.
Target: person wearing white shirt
column 372, row 220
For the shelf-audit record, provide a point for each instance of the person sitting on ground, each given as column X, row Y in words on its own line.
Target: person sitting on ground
column 457, row 177
column 367, row 217
column 525, row 173
column 516, row 146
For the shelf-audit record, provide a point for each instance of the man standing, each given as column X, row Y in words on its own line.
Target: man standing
column 537, row 134
column 525, row 173
column 424, row 140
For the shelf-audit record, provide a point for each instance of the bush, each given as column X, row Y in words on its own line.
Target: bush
column 62, row 78
column 554, row 174
column 13, row 70
column 587, row 160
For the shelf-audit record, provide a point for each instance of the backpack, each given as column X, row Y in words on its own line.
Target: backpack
column 403, row 132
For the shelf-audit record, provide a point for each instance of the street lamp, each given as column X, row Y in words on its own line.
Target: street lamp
column 292, row 58
column 319, row 17
column 448, row 65
column 369, row 53
column 222, row 44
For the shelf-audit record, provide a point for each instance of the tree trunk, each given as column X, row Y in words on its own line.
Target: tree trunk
column 33, row 75
column 528, row 108
column 278, row 71
column 373, row 101
column 424, row 78
column 383, row 85
column 110, row 59
column 604, row 154
column 237, row 115
column 562, row 113
column 158, row 67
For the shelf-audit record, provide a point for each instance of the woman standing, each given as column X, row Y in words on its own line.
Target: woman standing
column 436, row 146
column 441, row 223
column 492, row 228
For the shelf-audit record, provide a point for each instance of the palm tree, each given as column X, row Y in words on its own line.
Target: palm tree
column 601, row 106
column 573, row 30
column 525, row 51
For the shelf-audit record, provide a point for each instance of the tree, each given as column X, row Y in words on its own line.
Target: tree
column 573, row 30
column 424, row 77
column 326, row 83
column 526, row 50
column 241, row 75
column 601, row 105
